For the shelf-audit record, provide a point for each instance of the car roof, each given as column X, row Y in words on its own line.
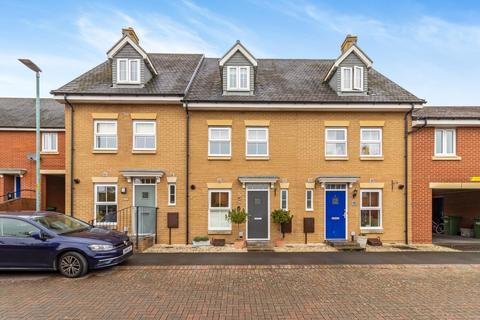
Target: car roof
column 28, row 214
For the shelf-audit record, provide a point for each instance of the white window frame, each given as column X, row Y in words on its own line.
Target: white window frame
column 284, row 196
column 230, row 87
column 357, row 70
column 129, row 74
column 135, row 123
column 170, row 185
column 444, row 144
column 49, row 135
column 307, row 206
column 380, row 130
column 247, row 141
column 380, row 208
column 96, row 134
column 336, row 141
column 210, row 154
column 210, row 191
column 342, row 82
column 107, row 203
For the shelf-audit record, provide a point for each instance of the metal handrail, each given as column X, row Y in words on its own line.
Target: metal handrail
column 125, row 219
column 11, row 195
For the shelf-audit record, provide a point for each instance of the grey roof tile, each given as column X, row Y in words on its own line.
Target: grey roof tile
column 293, row 80
column 20, row 113
column 174, row 74
column 450, row 112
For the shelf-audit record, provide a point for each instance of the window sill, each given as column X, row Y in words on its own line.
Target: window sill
column 446, row 158
column 213, row 232
column 49, row 152
column 371, row 230
column 219, row 158
column 380, row 158
column 105, row 151
column 261, row 158
column 328, row 158
column 144, row 151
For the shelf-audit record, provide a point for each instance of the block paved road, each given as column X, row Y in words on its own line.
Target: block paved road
column 247, row 292
column 304, row 258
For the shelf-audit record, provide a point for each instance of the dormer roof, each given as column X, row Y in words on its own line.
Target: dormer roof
column 238, row 47
column 356, row 50
column 126, row 39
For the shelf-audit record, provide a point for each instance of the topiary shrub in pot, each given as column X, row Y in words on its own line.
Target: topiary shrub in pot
column 284, row 219
column 238, row 216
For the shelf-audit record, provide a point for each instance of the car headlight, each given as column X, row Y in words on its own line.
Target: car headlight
column 100, row 247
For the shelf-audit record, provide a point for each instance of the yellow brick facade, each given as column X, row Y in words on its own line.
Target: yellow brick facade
column 296, row 156
column 88, row 165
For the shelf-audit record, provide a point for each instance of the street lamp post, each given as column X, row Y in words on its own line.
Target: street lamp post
column 32, row 66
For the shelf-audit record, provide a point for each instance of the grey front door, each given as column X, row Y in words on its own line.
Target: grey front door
column 144, row 211
column 257, row 215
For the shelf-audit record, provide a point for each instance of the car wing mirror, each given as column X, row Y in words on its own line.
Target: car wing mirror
column 38, row 235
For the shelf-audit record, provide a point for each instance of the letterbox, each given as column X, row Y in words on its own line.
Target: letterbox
column 308, row 225
column 172, row 220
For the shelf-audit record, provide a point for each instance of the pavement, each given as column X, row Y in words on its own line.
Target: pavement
column 305, row 258
column 247, row 292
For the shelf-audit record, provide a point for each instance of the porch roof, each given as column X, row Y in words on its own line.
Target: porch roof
column 18, row 171
column 258, row 179
column 129, row 173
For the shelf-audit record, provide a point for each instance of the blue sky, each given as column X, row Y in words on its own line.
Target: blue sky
column 428, row 47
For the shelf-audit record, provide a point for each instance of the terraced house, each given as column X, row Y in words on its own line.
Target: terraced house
column 182, row 133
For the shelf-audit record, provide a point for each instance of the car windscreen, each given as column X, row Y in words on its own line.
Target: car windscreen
column 61, row 224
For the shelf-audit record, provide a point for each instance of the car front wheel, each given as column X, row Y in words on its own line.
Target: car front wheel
column 72, row 265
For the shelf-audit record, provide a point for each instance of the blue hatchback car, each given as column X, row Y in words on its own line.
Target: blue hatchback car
column 54, row 241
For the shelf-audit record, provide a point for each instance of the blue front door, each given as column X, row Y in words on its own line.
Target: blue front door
column 335, row 212
column 18, row 187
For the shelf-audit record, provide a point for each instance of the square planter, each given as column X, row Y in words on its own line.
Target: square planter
column 218, row 242
column 362, row 241
column 286, row 227
column 205, row 243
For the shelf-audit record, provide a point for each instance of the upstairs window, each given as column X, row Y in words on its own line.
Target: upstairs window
column 105, row 133
column 128, row 70
column 257, row 142
column 351, row 78
column 144, row 137
column 238, row 78
column 49, row 142
column 371, row 142
column 336, row 142
column 219, row 141
column 445, row 142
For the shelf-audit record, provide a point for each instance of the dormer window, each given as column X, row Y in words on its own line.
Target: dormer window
column 238, row 78
column 128, row 70
column 352, row 78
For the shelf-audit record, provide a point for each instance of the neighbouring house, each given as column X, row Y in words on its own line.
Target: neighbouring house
column 445, row 167
column 17, row 154
column 159, row 136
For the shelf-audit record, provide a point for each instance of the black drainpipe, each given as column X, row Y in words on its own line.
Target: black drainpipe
column 72, row 182
column 187, row 176
column 406, row 132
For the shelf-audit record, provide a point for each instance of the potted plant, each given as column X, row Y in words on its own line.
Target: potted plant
column 238, row 216
column 201, row 241
column 362, row 240
column 284, row 218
